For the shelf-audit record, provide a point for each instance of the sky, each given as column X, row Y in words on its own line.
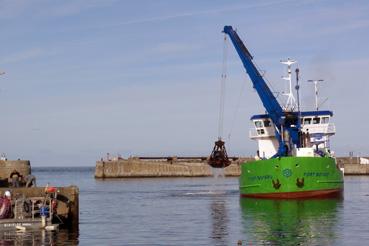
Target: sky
column 86, row 78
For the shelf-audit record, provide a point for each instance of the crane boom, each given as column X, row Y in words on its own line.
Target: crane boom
column 283, row 121
column 269, row 101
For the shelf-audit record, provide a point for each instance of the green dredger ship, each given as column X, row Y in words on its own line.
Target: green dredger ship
column 291, row 177
column 293, row 158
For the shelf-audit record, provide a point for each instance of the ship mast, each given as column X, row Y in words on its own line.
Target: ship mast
column 316, row 91
column 291, row 101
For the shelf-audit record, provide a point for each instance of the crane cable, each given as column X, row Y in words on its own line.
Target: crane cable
column 236, row 110
column 222, row 95
column 223, row 88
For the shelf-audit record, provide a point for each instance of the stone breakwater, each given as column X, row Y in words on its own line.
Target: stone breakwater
column 354, row 165
column 172, row 167
column 135, row 167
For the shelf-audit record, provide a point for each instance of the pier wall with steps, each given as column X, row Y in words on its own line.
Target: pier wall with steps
column 7, row 167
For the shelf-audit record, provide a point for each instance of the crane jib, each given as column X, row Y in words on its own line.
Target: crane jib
column 269, row 101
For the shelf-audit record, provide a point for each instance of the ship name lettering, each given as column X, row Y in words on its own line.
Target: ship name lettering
column 262, row 177
column 316, row 174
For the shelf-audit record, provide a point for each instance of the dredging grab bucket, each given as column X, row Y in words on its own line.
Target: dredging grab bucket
column 218, row 157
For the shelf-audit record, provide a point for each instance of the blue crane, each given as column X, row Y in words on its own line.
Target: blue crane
column 284, row 121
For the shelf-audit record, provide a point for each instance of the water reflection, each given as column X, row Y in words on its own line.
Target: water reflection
column 219, row 218
column 291, row 222
column 38, row 237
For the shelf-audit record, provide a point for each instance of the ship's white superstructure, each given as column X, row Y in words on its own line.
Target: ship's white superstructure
column 316, row 127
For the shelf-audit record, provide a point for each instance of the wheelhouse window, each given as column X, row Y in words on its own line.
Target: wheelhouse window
column 260, row 131
column 258, row 123
column 316, row 120
column 307, row 121
column 325, row 120
column 266, row 123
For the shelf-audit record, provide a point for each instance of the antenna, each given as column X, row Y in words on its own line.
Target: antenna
column 316, row 81
column 291, row 101
column 297, row 88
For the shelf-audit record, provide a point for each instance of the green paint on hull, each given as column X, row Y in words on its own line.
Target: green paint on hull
column 295, row 175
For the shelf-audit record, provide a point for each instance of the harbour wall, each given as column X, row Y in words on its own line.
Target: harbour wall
column 356, row 169
column 172, row 167
column 135, row 168
column 354, row 165
column 8, row 166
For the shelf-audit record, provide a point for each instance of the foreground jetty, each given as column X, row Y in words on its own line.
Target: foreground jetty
column 139, row 167
column 28, row 203
column 67, row 209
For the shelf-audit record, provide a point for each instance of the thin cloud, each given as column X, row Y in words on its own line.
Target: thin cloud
column 175, row 48
column 62, row 9
column 14, row 8
column 22, row 56
column 203, row 12
column 345, row 27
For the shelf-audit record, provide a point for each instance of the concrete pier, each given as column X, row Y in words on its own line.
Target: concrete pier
column 135, row 167
column 356, row 169
column 172, row 167
column 354, row 166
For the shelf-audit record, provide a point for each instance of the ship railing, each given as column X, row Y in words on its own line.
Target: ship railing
column 327, row 129
column 34, row 204
column 331, row 128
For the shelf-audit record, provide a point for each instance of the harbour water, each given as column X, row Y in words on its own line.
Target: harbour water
column 198, row 211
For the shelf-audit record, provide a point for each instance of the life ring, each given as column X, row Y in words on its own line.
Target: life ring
column 27, row 205
column 63, row 198
column 5, row 208
column 31, row 181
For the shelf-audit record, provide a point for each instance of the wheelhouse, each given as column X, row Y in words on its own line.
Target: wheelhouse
column 316, row 128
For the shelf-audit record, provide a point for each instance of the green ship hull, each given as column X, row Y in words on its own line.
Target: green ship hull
column 291, row 177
